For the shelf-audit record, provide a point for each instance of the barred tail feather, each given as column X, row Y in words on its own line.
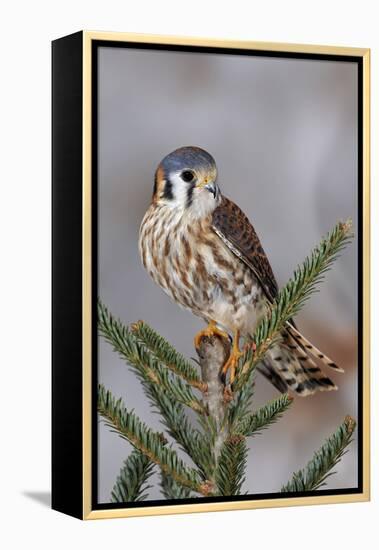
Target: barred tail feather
column 288, row 367
column 311, row 349
column 272, row 376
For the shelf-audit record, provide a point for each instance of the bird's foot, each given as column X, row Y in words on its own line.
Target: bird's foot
column 211, row 330
column 231, row 364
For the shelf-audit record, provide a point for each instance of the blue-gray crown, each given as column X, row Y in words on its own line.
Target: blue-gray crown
column 188, row 157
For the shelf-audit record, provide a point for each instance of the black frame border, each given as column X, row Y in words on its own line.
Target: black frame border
column 67, row 253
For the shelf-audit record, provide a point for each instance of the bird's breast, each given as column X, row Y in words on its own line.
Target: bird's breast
column 196, row 269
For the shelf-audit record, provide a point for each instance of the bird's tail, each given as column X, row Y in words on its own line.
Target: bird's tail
column 311, row 349
column 289, row 365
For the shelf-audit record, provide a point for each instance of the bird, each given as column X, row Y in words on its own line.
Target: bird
column 202, row 250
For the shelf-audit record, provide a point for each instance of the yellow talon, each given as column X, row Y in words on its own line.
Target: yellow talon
column 209, row 331
column 233, row 359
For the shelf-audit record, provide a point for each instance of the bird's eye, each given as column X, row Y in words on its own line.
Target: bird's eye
column 187, row 175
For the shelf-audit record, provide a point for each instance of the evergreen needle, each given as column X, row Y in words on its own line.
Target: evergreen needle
column 314, row 475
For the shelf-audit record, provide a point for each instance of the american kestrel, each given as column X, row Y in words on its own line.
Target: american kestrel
column 201, row 249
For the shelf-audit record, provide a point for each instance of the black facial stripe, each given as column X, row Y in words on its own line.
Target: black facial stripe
column 155, row 185
column 167, row 191
column 189, row 200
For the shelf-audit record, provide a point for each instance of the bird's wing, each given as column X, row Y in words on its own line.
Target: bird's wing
column 235, row 230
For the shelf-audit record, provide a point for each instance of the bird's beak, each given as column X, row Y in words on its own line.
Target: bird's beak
column 210, row 186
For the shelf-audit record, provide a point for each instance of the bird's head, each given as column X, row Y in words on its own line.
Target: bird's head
column 186, row 179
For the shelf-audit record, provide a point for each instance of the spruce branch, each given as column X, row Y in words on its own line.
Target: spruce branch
column 265, row 416
column 240, row 407
column 190, row 439
column 218, row 445
column 213, row 353
column 146, row 365
column 172, row 490
column 319, row 467
column 231, row 466
column 131, row 483
column 166, row 354
column 148, row 442
column 292, row 297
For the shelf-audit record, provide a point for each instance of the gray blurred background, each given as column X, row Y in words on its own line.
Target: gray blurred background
column 284, row 136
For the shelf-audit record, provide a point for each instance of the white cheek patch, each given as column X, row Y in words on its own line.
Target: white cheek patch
column 202, row 202
column 179, row 190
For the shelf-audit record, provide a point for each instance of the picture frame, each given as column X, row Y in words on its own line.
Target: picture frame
column 76, row 80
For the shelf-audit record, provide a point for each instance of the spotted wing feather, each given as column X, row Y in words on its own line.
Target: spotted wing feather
column 236, row 231
column 290, row 366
